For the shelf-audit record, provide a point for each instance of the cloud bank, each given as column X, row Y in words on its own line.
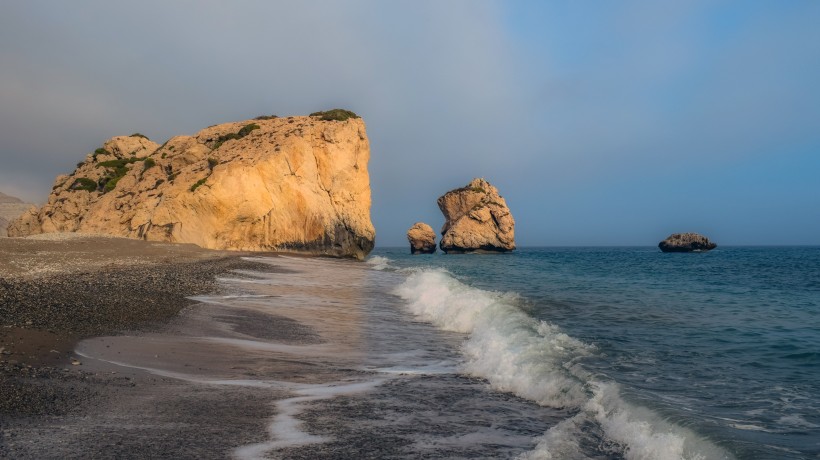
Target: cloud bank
column 613, row 125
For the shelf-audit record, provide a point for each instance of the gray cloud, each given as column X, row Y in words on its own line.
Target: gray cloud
column 559, row 109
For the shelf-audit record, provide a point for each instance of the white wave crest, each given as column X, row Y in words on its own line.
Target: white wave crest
column 506, row 346
column 537, row 361
column 378, row 262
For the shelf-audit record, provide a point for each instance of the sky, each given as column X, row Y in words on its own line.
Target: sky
column 601, row 123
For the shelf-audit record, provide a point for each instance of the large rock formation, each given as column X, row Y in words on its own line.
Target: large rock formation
column 477, row 219
column 686, row 242
column 296, row 184
column 10, row 209
column 422, row 239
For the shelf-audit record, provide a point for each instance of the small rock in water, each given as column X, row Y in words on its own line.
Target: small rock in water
column 686, row 242
column 422, row 239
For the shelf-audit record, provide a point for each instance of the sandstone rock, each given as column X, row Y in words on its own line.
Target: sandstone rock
column 477, row 219
column 10, row 209
column 296, row 184
column 422, row 239
column 686, row 242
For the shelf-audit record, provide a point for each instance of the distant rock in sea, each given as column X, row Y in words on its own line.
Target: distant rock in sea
column 422, row 239
column 10, row 209
column 295, row 184
column 477, row 220
column 686, row 242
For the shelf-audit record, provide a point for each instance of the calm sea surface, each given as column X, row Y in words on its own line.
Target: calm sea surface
column 650, row 355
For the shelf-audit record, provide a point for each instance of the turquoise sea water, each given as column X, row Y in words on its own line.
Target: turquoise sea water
column 652, row 355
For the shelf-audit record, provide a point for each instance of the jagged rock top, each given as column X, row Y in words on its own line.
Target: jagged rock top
column 686, row 242
column 422, row 239
column 296, row 184
column 476, row 219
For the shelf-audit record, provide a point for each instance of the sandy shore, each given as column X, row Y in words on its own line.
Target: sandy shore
column 58, row 289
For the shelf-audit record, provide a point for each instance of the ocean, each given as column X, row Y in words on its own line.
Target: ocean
column 648, row 355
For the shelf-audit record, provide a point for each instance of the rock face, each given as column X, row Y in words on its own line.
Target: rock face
column 10, row 209
column 295, row 184
column 422, row 239
column 686, row 242
column 477, row 220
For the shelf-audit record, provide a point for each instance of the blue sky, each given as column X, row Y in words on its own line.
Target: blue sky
column 602, row 123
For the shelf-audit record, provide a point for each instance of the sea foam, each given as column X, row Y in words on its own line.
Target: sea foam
column 378, row 262
column 535, row 360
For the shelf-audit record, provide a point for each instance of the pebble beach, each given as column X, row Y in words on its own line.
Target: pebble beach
column 57, row 289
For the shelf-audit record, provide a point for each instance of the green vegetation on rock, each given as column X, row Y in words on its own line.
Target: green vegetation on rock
column 111, row 183
column 100, row 151
column 335, row 115
column 198, row 183
column 139, row 135
column 238, row 135
column 84, row 183
column 117, row 164
column 116, row 170
column 247, row 130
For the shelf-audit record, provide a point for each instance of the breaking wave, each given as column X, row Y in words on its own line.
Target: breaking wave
column 535, row 360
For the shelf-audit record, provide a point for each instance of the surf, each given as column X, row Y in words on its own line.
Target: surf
column 536, row 360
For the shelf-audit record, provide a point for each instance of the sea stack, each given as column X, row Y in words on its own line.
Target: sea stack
column 422, row 239
column 686, row 242
column 477, row 219
column 295, row 184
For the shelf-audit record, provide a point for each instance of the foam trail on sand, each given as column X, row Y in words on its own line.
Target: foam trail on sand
column 191, row 378
column 535, row 360
column 285, row 429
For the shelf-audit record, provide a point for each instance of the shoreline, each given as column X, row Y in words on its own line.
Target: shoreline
column 56, row 290
column 295, row 358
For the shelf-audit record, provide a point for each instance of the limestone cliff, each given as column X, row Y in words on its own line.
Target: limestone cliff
column 295, row 184
column 477, row 219
column 10, row 208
